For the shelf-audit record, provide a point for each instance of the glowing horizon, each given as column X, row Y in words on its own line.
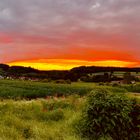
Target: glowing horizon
column 62, row 64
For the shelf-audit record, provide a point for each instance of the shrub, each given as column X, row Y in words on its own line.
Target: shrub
column 61, row 81
column 46, row 80
column 68, row 81
column 135, row 115
column 108, row 115
column 116, row 85
column 101, row 84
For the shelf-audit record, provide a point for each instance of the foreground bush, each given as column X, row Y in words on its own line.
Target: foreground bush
column 109, row 115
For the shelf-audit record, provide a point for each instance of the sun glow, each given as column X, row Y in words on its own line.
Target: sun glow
column 63, row 64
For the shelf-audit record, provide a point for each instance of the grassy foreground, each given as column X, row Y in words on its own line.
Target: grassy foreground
column 49, row 119
column 42, row 119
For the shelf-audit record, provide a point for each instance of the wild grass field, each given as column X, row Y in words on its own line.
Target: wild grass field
column 46, row 111
column 43, row 119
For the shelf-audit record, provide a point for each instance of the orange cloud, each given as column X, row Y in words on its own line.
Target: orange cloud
column 94, row 54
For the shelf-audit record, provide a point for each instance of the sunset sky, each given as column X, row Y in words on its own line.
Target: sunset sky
column 61, row 34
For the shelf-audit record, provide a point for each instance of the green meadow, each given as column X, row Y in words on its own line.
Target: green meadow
column 49, row 111
column 16, row 89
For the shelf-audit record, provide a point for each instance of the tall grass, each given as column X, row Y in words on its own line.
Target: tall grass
column 37, row 120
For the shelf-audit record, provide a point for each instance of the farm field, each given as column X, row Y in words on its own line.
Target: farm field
column 47, row 111
column 15, row 89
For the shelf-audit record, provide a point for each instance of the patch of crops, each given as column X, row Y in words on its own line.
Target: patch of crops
column 30, row 90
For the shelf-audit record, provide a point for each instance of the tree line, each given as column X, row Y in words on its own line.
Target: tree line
column 74, row 74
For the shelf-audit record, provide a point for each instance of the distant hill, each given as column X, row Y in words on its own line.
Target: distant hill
column 73, row 74
column 95, row 69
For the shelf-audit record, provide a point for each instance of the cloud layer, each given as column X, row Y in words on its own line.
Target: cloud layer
column 90, row 30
